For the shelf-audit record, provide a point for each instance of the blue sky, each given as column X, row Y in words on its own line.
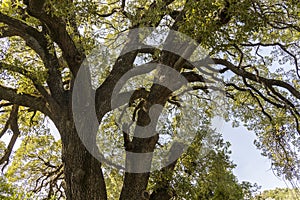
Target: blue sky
column 251, row 165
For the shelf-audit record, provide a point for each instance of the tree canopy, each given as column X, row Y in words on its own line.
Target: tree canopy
column 279, row 193
column 251, row 61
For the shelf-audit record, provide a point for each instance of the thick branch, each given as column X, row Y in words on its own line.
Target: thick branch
column 27, row 74
column 38, row 42
column 104, row 92
column 256, row 78
column 158, row 95
column 26, row 100
column 57, row 27
column 193, row 77
column 33, row 37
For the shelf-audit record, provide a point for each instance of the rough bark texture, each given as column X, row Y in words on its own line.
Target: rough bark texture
column 83, row 174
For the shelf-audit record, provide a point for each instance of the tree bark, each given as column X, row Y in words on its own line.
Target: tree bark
column 134, row 187
column 83, row 174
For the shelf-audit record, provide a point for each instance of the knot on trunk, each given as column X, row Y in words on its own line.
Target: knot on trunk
column 145, row 195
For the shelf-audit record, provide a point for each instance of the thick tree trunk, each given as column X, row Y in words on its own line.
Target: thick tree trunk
column 134, row 187
column 83, row 174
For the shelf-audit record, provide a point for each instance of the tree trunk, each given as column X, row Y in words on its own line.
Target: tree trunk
column 134, row 187
column 83, row 174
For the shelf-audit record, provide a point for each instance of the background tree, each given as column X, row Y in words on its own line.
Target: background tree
column 254, row 45
column 37, row 167
column 279, row 193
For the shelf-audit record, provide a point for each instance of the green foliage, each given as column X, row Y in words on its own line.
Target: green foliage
column 205, row 172
column 260, row 37
column 37, row 166
column 6, row 190
column 10, row 192
column 275, row 130
column 113, row 180
column 279, row 194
